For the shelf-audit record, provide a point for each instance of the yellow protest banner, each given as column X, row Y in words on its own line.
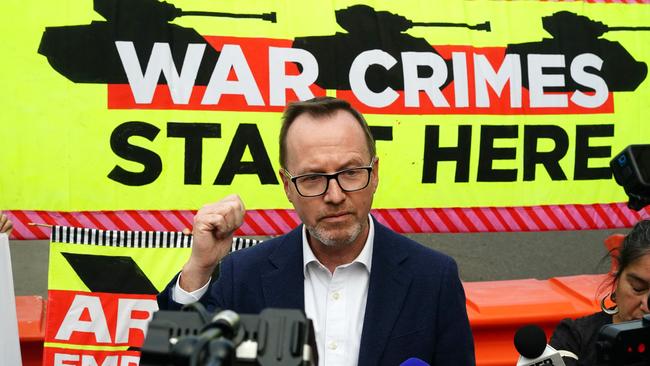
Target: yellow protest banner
column 134, row 108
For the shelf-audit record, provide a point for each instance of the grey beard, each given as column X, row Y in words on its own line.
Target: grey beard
column 331, row 242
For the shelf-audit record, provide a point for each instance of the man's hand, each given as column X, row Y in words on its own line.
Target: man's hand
column 5, row 224
column 214, row 225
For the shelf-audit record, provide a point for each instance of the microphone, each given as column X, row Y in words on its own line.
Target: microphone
column 414, row 361
column 530, row 342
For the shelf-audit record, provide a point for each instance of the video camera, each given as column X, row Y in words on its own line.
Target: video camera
column 624, row 344
column 193, row 337
column 628, row 343
column 631, row 168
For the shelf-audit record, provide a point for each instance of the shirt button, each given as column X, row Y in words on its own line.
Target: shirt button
column 332, row 345
column 336, row 296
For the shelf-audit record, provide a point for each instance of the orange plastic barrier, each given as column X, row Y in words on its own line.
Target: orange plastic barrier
column 30, row 311
column 497, row 309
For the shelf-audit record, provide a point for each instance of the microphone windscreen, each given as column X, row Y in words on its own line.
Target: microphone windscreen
column 530, row 341
column 414, row 361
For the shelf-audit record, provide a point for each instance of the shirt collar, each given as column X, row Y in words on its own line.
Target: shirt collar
column 364, row 258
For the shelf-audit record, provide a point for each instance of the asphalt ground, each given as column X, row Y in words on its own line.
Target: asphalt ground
column 480, row 257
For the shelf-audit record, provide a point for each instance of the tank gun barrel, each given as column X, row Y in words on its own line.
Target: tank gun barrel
column 485, row 26
column 610, row 29
column 269, row 17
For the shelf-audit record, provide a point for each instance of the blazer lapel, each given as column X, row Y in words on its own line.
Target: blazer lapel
column 283, row 284
column 387, row 290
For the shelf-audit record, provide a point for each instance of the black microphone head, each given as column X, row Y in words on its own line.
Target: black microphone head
column 224, row 323
column 530, row 341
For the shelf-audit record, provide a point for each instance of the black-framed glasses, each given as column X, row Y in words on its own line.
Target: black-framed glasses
column 316, row 184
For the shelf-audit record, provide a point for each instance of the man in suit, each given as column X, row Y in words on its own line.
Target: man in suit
column 375, row 297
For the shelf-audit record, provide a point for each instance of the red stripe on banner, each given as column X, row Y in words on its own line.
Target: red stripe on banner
column 267, row 219
column 385, row 219
column 256, row 228
column 158, row 215
column 603, row 215
column 426, row 219
column 17, row 235
column 117, row 222
column 523, row 226
column 101, row 218
column 96, row 224
column 139, row 220
column 570, row 217
column 585, row 216
column 501, row 219
column 510, row 218
column 473, row 217
column 409, row 219
column 393, row 220
column 466, row 221
column 439, row 223
column 25, row 221
column 621, row 220
column 291, row 222
column 283, row 225
column 633, row 216
column 445, row 218
column 533, row 215
column 456, row 220
column 48, row 217
column 71, row 219
column 130, row 222
column 487, row 222
column 557, row 217
column 187, row 223
column 404, row 220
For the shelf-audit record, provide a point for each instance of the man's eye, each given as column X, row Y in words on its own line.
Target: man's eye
column 311, row 178
column 351, row 173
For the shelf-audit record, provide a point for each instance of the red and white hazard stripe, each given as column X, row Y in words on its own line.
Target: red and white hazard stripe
column 404, row 220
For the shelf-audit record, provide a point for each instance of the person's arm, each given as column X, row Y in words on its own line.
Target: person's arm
column 455, row 344
column 184, row 297
column 214, row 226
column 5, row 224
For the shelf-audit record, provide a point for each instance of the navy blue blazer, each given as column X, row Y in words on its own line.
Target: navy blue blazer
column 415, row 305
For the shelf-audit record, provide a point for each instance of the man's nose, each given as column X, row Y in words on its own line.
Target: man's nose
column 644, row 304
column 334, row 193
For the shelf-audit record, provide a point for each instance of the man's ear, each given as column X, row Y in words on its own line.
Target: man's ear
column 375, row 175
column 285, row 183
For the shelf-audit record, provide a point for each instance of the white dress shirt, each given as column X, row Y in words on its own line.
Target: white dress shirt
column 335, row 302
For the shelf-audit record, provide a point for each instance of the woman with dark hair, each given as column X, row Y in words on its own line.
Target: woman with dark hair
column 629, row 286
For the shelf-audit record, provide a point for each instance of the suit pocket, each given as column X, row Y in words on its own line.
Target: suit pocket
column 411, row 333
column 416, row 343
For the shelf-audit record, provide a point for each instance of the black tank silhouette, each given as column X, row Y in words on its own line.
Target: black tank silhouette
column 87, row 53
column 369, row 29
column 576, row 34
